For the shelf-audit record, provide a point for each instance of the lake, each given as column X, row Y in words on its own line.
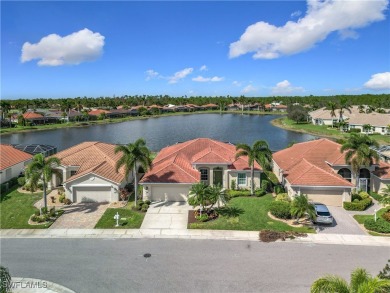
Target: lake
column 160, row 132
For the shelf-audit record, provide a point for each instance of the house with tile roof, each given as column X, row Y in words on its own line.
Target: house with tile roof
column 317, row 168
column 381, row 177
column 88, row 172
column 179, row 166
column 12, row 162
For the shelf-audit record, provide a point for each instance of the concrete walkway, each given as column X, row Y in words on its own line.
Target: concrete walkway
column 28, row 285
column 364, row 240
column 166, row 215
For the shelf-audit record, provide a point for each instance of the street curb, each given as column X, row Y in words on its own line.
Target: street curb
column 43, row 286
column 340, row 239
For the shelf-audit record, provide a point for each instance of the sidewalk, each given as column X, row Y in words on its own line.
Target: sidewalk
column 364, row 240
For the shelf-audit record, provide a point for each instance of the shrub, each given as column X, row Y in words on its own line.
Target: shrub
column 61, row 198
column 52, row 212
column 44, row 210
column 202, row 218
column 356, row 196
column 355, row 130
column 279, row 189
column 61, row 190
column 67, row 201
column 37, row 213
column 380, row 225
column 364, row 194
column 386, row 216
column 40, row 186
column 260, row 192
column 144, row 207
column 21, row 181
column 237, row 193
column 376, row 196
column 358, row 206
column 148, row 202
column 233, row 184
column 281, row 209
column 283, row 197
column 13, row 181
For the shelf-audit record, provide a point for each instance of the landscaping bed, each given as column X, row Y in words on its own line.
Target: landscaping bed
column 380, row 227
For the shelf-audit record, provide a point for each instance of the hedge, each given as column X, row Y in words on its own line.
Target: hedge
column 376, row 196
column 358, row 206
column 280, row 209
column 381, row 225
column 237, row 193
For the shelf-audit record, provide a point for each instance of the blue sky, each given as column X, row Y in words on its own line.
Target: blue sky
column 255, row 48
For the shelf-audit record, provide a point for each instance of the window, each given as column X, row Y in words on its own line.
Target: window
column 204, row 175
column 73, row 173
column 345, row 173
column 241, row 180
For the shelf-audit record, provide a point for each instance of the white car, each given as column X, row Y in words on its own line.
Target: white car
column 323, row 215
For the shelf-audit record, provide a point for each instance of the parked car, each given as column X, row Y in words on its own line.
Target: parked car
column 323, row 215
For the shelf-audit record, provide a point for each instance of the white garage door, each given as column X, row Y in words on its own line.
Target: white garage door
column 92, row 194
column 327, row 197
column 170, row 193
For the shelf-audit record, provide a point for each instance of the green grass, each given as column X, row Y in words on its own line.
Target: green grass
column 252, row 218
column 16, row 209
column 321, row 130
column 133, row 218
column 361, row 218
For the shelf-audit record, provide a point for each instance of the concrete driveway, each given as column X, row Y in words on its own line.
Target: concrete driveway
column 80, row 216
column 166, row 215
column 343, row 223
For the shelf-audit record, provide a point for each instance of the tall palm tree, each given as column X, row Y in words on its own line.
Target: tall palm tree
column 344, row 105
column 359, row 152
column 259, row 153
column 134, row 155
column 332, row 106
column 361, row 282
column 41, row 169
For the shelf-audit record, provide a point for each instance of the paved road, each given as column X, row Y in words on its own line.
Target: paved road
column 108, row 265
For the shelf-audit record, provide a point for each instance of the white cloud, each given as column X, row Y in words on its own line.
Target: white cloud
column 54, row 50
column 249, row 89
column 379, row 81
column 237, row 83
column 203, row 68
column 348, row 34
column 296, row 13
column 321, row 19
column 150, row 74
column 180, row 75
column 285, row 88
column 206, row 79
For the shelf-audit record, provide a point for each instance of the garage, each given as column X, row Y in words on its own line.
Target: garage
column 327, row 197
column 92, row 194
column 168, row 192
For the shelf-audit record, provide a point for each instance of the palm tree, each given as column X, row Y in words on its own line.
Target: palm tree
column 385, row 192
column 134, row 155
column 332, row 106
column 359, row 152
column 361, row 281
column 301, row 206
column 41, row 169
column 217, row 194
column 344, row 105
column 259, row 153
column 198, row 195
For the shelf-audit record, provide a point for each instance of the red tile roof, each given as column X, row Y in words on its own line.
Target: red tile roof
column 383, row 171
column 10, row 156
column 93, row 157
column 174, row 164
column 98, row 112
column 32, row 115
column 309, row 163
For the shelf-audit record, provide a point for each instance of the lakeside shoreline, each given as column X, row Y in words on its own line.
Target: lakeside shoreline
column 10, row 131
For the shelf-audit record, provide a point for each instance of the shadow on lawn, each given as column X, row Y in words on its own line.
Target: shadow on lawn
column 230, row 212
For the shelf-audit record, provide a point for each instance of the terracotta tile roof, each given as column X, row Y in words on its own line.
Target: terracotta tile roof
column 210, row 106
column 32, row 115
column 93, row 157
column 10, row 156
column 309, row 163
column 174, row 164
column 98, row 112
column 383, row 171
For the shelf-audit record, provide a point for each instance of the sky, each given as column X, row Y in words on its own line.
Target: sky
column 194, row 48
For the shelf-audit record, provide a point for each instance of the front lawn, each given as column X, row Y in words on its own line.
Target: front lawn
column 133, row 218
column 362, row 218
column 250, row 215
column 16, row 209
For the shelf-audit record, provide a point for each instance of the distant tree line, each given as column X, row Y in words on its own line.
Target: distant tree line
column 311, row 102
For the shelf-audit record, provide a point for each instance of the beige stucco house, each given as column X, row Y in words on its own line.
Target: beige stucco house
column 179, row 166
column 12, row 162
column 87, row 173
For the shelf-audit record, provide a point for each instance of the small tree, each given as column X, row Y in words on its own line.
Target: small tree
column 198, row 195
column 5, row 280
column 385, row 273
column 385, row 192
column 301, row 206
column 216, row 194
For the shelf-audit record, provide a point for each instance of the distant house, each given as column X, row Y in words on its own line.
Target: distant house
column 211, row 106
column 12, row 162
column 275, row 107
column 98, row 112
column 88, row 173
column 233, row 107
column 205, row 160
column 34, row 117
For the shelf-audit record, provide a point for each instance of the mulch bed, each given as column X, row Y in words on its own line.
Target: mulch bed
column 272, row 236
column 191, row 217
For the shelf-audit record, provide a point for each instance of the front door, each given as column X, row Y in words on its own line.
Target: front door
column 217, row 175
column 363, row 184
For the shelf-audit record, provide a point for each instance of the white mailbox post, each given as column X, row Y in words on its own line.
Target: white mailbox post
column 116, row 217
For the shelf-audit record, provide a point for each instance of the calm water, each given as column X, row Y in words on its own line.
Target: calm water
column 163, row 131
